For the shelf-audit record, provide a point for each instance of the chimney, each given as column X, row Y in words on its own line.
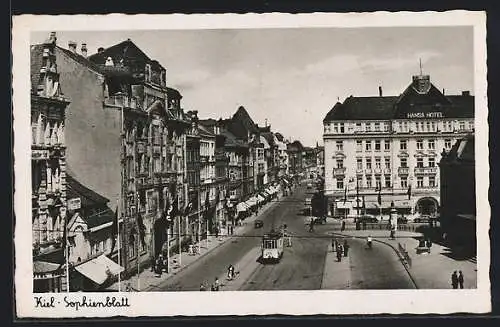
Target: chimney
column 84, row 50
column 465, row 93
column 72, row 46
column 380, row 91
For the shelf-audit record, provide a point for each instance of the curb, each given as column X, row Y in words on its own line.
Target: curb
column 150, row 287
column 392, row 247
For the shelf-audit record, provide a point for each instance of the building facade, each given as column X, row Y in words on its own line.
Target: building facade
column 458, row 194
column 295, row 151
column 390, row 145
column 48, row 169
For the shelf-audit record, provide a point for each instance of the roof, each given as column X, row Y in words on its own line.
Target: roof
column 98, row 269
column 241, row 123
column 232, row 141
column 269, row 137
column 398, row 107
column 75, row 189
column 80, row 59
column 279, row 136
column 295, row 146
column 123, row 50
column 461, row 152
column 173, row 93
column 104, row 217
column 205, row 131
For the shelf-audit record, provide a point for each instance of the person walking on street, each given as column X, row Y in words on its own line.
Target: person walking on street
column 342, row 228
column 454, row 280
column 339, row 254
column 216, row 285
column 334, row 243
column 346, row 248
column 311, row 225
column 461, row 279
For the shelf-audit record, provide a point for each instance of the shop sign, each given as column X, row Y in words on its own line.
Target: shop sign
column 436, row 114
column 39, row 154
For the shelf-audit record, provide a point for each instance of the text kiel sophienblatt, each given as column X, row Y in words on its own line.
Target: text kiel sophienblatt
column 84, row 302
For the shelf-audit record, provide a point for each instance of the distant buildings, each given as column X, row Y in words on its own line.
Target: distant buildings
column 391, row 145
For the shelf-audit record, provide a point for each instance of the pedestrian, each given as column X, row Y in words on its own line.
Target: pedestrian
column 230, row 272
column 392, row 234
column 334, row 244
column 216, row 232
column 342, row 228
column 311, row 225
column 339, row 254
column 216, row 285
column 346, row 248
column 461, row 279
column 159, row 265
column 454, row 280
column 364, row 224
column 202, row 287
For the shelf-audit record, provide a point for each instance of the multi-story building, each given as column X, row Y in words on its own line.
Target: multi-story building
column 195, row 229
column 48, row 169
column 295, row 151
column 220, row 173
column 458, row 194
column 270, row 154
column 320, row 160
column 237, row 152
column 390, row 145
column 127, row 129
column 208, row 185
column 282, row 155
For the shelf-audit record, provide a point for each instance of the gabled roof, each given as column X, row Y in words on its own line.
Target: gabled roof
column 74, row 189
column 242, row 123
column 269, row 137
column 126, row 50
column 295, row 146
column 80, row 59
column 279, row 136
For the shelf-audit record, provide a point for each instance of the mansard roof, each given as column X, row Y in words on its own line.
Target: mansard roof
column 412, row 103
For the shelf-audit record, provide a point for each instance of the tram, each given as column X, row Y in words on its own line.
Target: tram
column 272, row 247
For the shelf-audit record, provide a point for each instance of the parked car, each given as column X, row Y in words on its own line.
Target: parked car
column 259, row 223
column 422, row 219
column 319, row 220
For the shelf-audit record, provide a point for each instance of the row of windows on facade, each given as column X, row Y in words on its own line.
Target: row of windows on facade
column 385, row 182
column 403, row 162
column 403, row 145
column 404, row 127
column 207, row 149
column 157, row 164
column 47, row 132
column 51, row 175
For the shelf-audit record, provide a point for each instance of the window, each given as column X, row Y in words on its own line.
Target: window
column 420, row 182
column 404, row 182
column 404, row 162
column 157, row 164
column 471, row 125
column 386, row 127
column 432, row 162
column 431, row 144
column 461, row 126
column 150, row 201
column 378, row 183
column 368, row 181
column 402, row 144
column 420, row 145
column 377, row 145
column 432, row 181
column 387, row 145
column 420, row 162
column 327, row 128
column 341, row 125
column 368, row 127
column 387, row 163
column 340, row 163
column 156, row 135
column 387, row 180
column 377, row 127
column 340, row 183
column 335, row 128
column 359, row 146
column 147, row 73
column 368, row 163
column 339, row 145
column 359, row 163
column 428, row 126
column 447, row 144
column 368, row 145
column 358, row 127
column 377, row 163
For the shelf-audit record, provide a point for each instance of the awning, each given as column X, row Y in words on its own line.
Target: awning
column 98, row 269
column 241, row 207
column 260, row 198
column 252, row 201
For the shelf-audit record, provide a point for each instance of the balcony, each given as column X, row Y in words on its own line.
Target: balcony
column 141, row 147
column 387, row 171
column 339, row 171
column 425, row 170
column 359, row 171
column 377, row 171
column 121, row 100
column 368, row 171
column 403, row 171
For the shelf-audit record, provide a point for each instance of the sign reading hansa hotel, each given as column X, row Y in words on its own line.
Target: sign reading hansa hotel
column 39, row 154
column 413, row 115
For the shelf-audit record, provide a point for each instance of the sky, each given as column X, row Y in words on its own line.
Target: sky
column 293, row 76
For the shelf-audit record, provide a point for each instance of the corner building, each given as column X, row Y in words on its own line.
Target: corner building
column 395, row 143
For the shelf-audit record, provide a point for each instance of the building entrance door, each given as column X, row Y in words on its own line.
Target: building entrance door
column 427, row 206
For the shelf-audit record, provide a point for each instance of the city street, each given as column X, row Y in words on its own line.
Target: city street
column 303, row 264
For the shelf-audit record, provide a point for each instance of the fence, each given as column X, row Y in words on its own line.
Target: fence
column 404, row 253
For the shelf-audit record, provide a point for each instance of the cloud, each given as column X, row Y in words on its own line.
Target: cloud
column 394, row 63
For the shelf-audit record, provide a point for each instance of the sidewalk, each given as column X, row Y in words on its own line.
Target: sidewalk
column 428, row 270
column 148, row 280
column 336, row 275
